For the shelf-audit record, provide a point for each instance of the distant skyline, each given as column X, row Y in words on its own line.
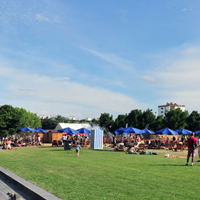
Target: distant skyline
column 69, row 58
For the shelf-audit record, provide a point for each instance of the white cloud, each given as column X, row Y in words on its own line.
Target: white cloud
column 183, row 68
column 41, row 93
column 179, row 76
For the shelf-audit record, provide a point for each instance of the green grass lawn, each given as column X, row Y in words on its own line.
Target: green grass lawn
column 103, row 174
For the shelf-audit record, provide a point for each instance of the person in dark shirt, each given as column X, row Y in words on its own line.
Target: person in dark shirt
column 191, row 148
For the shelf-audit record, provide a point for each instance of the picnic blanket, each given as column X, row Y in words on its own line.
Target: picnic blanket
column 174, row 156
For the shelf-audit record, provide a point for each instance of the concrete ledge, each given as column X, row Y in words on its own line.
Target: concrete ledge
column 33, row 191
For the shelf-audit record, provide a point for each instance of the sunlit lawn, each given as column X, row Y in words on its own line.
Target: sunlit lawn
column 103, row 174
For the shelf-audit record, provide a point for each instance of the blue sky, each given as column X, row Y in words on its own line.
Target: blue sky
column 84, row 58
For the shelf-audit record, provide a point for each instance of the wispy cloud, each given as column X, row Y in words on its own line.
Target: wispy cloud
column 42, row 18
column 148, row 79
column 27, row 90
column 186, row 9
column 111, row 58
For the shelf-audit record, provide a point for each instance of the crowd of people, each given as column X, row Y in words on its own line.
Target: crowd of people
column 19, row 141
column 131, row 143
column 135, row 141
column 81, row 139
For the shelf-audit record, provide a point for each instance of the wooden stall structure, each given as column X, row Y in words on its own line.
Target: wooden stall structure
column 53, row 137
column 47, row 137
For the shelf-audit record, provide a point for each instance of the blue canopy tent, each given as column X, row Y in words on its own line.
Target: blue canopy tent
column 166, row 131
column 183, row 131
column 25, row 129
column 130, row 130
column 39, row 130
column 83, row 130
column 68, row 131
column 146, row 131
column 119, row 131
column 197, row 132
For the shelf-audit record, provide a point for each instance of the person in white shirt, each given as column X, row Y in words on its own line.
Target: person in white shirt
column 39, row 140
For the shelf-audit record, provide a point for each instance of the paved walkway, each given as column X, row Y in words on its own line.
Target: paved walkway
column 6, row 192
column 17, row 188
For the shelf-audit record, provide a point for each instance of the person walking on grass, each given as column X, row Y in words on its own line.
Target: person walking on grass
column 38, row 140
column 78, row 147
column 191, row 142
column 199, row 147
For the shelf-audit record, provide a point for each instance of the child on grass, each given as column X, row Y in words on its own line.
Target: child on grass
column 78, row 147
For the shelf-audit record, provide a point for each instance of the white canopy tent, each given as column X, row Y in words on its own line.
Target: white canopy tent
column 74, row 126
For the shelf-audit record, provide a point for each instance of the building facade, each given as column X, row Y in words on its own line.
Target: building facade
column 163, row 109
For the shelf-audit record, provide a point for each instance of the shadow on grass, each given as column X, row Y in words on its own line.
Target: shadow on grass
column 62, row 150
column 107, row 150
column 170, row 165
column 100, row 150
column 46, row 147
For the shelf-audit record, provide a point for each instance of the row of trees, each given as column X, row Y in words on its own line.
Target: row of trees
column 12, row 119
column 174, row 119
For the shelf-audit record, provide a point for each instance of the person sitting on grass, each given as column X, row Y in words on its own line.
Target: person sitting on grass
column 131, row 149
column 4, row 145
column 175, row 147
column 121, row 147
column 78, row 147
column 8, row 142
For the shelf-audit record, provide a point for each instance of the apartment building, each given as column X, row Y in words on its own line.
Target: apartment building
column 169, row 106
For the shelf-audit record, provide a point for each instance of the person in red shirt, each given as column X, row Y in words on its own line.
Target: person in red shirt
column 191, row 149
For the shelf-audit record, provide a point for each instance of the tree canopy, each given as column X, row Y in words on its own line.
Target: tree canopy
column 12, row 119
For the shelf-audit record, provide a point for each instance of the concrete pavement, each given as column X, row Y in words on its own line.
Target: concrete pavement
column 17, row 188
column 6, row 192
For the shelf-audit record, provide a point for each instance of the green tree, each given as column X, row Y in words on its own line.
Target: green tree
column 35, row 121
column 193, row 121
column 120, row 121
column 106, row 121
column 6, row 119
column 51, row 123
column 95, row 121
column 147, row 119
column 134, row 119
column 157, row 124
column 61, row 119
column 48, row 123
column 176, row 119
